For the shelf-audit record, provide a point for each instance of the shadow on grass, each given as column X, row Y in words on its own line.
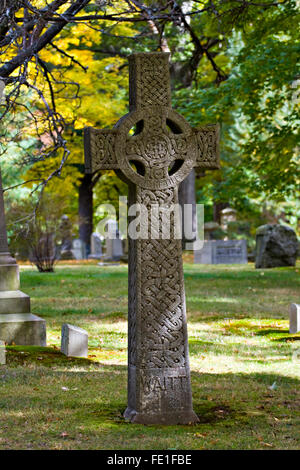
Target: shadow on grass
column 100, row 392
column 47, row 357
column 288, row 339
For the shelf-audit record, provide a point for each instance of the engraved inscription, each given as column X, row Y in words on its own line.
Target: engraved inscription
column 163, row 384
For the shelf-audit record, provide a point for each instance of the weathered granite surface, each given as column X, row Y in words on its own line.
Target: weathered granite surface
column 2, row 353
column 74, row 341
column 154, row 161
column 276, row 246
column 294, row 318
column 23, row 329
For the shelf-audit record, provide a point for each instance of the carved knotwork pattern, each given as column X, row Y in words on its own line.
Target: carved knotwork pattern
column 149, row 80
column 157, row 151
column 154, row 82
column 155, row 147
column 162, row 296
column 102, row 150
column 207, row 146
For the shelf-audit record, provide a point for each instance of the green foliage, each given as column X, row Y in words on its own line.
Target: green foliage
column 258, row 108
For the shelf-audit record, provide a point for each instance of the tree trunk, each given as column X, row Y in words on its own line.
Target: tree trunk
column 85, row 211
column 218, row 207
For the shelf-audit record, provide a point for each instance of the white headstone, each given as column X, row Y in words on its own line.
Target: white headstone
column 74, row 341
column 113, row 242
column 96, row 246
column 78, row 249
column 294, row 318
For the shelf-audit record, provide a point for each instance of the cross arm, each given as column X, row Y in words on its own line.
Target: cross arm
column 208, row 151
column 99, row 149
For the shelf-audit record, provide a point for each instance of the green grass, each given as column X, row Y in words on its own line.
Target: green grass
column 245, row 364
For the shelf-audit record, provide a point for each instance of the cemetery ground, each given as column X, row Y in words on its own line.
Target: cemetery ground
column 245, row 366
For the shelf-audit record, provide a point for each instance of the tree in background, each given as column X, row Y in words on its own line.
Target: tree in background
column 64, row 64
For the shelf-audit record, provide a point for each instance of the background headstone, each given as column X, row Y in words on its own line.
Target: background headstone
column 65, row 230
column 74, row 341
column 222, row 252
column 96, row 246
column 113, row 242
column 276, row 246
column 294, row 318
column 78, row 249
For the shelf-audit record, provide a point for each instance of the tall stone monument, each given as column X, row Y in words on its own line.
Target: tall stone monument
column 153, row 161
column 17, row 324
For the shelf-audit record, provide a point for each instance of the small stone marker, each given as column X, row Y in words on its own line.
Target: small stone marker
column 294, row 318
column 74, row 341
column 2, row 353
column 222, row 252
column 153, row 161
column 78, row 249
column 113, row 242
column 96, row 246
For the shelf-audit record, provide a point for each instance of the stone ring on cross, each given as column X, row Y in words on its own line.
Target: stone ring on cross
column 155, row 147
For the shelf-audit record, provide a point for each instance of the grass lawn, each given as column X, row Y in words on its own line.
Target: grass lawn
column 245, row 364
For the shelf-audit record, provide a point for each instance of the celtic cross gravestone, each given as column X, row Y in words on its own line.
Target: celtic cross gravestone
column 153, row 161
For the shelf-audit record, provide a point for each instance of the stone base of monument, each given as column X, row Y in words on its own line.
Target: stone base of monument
column 171, row 418
column 17, row 324
column 14, row 301
column 23, row 329
column 95, row 257
column 9, row 277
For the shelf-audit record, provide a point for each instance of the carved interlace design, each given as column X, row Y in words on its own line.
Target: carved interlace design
column 207, row 146
column 162, row 295
column 149, row 80
column 102, row 145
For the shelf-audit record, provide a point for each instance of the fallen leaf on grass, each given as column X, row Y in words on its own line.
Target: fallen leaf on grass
column 198, row 434
column 266, row 444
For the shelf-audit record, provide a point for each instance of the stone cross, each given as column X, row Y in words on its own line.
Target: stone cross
column 153, row 161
